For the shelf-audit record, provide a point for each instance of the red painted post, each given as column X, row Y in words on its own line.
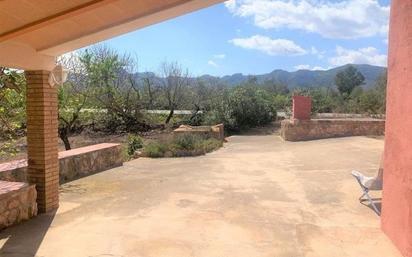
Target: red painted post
column 302, row 107
column 397, row 186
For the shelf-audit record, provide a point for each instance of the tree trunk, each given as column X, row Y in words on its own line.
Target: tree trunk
column 169, row 117
column 65, row 138
column 194, row 114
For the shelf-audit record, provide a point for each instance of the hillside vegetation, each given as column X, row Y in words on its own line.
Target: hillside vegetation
column 105, row 94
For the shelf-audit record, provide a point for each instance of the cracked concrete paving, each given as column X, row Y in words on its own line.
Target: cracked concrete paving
column 257, row 196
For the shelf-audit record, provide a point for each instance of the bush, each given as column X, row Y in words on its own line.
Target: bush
column 209, row 145
column 12, row 110
column 155, row 149
column 8, row 149
column 182, row 145
column 134, row 143
column 243, row 107
column 186, row 141
column 251, row 107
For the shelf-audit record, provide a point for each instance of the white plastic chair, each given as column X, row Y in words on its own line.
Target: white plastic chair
column 370, row 184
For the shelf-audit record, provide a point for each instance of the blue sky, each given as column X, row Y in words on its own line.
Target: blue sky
column 258, row 36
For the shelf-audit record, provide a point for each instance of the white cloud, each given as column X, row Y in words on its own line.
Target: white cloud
column 315, row 51
column 219, row 56
column 212, row 63
column 344, row 19
column 308, row 67
column 269, row 46
column 320, row 68
column 302, row 67
column 368, row 55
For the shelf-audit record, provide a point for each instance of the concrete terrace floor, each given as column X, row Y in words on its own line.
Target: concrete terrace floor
column 257, row 196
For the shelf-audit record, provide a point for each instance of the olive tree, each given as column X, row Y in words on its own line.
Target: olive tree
column 73, row 98
column 173, row 83
column 115, row 89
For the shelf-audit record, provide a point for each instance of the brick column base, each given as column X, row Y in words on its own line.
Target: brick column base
column 42, row 139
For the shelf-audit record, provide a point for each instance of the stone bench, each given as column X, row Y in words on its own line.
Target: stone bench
column 302, row 130
column 73, row 164
column 17, row 203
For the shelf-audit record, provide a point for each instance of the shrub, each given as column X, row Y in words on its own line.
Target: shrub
column 186, row 141
column 134, row 143
column 209, row 145
column 155, row 149
column 12, row 110
column 242, row 107
column 9, row 148
column 251, row 107
column 182, row 145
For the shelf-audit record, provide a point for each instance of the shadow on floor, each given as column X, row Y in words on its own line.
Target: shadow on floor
column 23, row 240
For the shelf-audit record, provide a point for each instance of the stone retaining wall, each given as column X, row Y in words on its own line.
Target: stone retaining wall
column 302, row 130
column 348, row 116
column 73, row 164
column 216, row 131
column 17, row 203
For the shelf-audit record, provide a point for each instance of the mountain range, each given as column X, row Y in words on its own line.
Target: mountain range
column 304, row 78
column 295, row 79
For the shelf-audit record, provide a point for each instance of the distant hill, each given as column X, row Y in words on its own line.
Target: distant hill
column 308, row 78
column 300, row 78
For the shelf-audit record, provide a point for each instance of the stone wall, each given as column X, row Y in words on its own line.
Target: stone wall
column 17, row 203
column 73, row 164
column 348, row 116
column 14, row 171
column 216, row 131
column 302, row 130
column 89, row 160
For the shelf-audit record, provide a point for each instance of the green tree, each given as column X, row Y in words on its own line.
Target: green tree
column 373, row 101
column 348, row 79
column 174, row 83
column 110, row 76
column 12, row 100
column 73, row 96
column 242, row 107
column 380, row 87
column 250, row 107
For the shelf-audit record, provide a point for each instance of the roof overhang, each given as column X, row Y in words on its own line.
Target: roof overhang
column 34, row 33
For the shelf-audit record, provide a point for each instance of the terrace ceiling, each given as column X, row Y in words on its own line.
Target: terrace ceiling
column 33, row 33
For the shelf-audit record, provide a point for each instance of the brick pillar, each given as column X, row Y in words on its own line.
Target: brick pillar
column 397, row 182
column 302, row 107
column 43, row 165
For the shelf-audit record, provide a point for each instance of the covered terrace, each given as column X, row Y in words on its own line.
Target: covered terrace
column 34, row 33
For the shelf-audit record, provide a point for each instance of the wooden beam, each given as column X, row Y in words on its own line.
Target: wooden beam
column 54, row 18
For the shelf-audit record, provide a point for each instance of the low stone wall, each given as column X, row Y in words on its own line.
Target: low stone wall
column 14, row 171
column 17, row 203
column 348, row 116
column 216, row 131
column 89, row 160
column 302, row 130
column 74, row 163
